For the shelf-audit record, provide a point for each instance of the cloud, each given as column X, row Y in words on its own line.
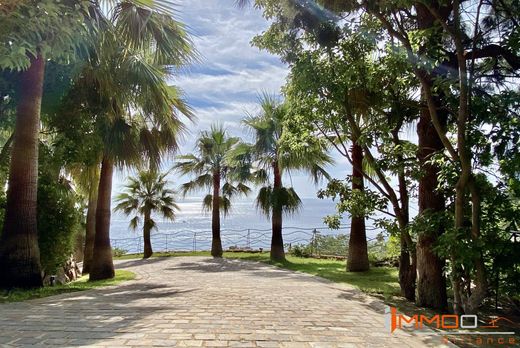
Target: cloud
column 225, row 85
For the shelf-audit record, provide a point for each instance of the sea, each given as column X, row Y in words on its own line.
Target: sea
column 243, row 228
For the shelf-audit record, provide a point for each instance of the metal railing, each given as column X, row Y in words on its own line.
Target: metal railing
column 232, row 239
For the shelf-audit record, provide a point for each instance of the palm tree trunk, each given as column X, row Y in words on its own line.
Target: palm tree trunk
column 147, row 227
column 277, row 250
column 19, row 252
column 357, row 259
column 216, row 243
column 91, row 224
column 102, row 266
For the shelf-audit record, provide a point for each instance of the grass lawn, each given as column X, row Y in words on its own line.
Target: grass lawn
column 381, row 280
column 81, row 284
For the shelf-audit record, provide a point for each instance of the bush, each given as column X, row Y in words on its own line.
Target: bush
column 334, row 245
column 58, row 223
column 117, row 252
column 300, row 250
column 382, row 252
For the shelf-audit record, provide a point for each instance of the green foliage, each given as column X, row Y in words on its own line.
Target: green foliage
column 119, row 252
column 383, row 251
column 301, row 250
column 120, row 102
column 356, row 69
column 271, row 157
column 59, row 215
column 499, row 216
column 58, row 30
column 336, row 245
column 284, row 199
column 357, row 202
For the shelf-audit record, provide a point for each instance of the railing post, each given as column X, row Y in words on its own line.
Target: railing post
column 166, row 237
column 138, row 245
column 194, row 241
column 248, row 238
column 315, row 241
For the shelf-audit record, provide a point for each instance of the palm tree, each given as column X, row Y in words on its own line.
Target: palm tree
column 136, row 24
column 129, row 140
column 145, row 194
column 56, row 31
column 86, row 178
column 272, row 159
column 137, row 111
column 216, row 171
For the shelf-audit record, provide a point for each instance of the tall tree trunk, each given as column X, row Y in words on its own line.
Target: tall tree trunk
column 407, row 267
column 431, row 283
column 277, row 250
column 19, row 252
column 90, row 234
column 102, row 266
column 357, row 259
column 216, row 242
column 147, row 228
column 407, row 257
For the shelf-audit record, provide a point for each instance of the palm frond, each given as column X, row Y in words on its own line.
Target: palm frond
column 264, row 200
column 147, row 192
column 225, row 205
column 134, row 223
column 216, row 157
column 207, row 203
column 291, row 202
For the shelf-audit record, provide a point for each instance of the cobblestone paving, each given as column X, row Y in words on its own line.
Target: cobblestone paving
column 202, row 302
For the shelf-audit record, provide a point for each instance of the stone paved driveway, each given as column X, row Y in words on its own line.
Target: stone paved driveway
column 202, row 302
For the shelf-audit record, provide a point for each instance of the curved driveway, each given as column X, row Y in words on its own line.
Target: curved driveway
column 202, row 302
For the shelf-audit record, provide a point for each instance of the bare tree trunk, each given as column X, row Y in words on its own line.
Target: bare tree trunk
column 216, row 242
column 407, row 267
column 357, row 259
column 102, row 266
column 407, row 257
column 431, row 283
column 91, row 224
column 19, row 251
column 147, row 228
column 277, row 250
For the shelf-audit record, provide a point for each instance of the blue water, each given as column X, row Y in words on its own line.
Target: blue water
column 243, row 227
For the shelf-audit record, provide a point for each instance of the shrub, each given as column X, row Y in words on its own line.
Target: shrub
column 58, row 223
column 117, row 252
column 335, row 245
column 300, row 250
column 384, row 252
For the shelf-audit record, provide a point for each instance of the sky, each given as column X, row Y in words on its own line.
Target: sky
column 225, row 85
